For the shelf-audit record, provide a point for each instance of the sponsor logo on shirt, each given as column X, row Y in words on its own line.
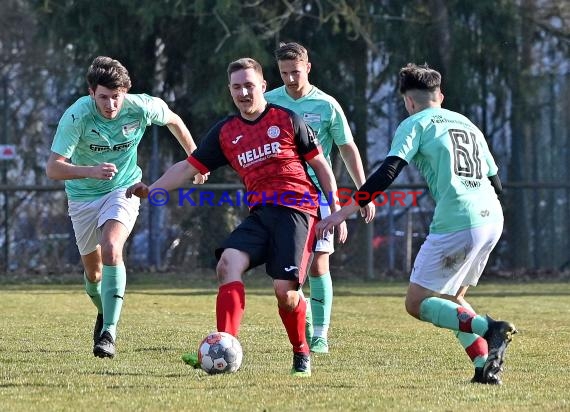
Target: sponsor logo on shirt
column 99, row 148
column 116, row 148
column 236, row 140
column 123, row 146
column 258, row 154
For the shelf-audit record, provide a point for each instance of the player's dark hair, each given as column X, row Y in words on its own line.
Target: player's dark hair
column 244, row 63
column 109, row 73
column 291, row 51
column 419, row 77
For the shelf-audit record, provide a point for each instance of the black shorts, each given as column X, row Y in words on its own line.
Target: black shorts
column 281, row 237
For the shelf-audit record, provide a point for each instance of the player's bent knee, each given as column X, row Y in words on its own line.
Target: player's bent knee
column 111, row 252
column 287, row 299
column 94, row 276
column 226, row 272
column 413, row 307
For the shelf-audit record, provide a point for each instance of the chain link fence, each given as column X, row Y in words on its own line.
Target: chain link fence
column 36, row 235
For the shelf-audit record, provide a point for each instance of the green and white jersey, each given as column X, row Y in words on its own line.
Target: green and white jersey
column 452, row 155
column 320, row 111
column 88, row 139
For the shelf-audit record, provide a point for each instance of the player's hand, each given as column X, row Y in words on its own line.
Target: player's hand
column 138, row 189
column 368, row 212
column 326, row 225
column 201, row 179
column 104, row 171
column 342, row 231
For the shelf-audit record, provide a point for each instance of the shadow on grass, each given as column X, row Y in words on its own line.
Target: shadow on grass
column 269, row 292
column 169, row 290
column 156, row 349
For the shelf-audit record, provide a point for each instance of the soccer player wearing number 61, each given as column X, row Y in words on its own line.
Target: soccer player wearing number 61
column 453, row 156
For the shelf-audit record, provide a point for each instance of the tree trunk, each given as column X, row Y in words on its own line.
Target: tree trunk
column 518, row 211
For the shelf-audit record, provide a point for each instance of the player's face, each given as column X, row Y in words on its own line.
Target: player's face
column 295, row 76
column 247, row 88
column 108, row 101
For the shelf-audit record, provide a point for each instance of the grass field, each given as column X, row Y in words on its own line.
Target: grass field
column 381, row 359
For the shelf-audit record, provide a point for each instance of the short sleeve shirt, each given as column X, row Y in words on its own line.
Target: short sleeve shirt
column 452, row 155
column 322, row 113
column 87, row 139
column 268, row 154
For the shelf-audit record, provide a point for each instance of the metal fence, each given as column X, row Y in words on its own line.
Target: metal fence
column 36, row 234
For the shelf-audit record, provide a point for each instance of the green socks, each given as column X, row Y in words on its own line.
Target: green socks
column 321, row 303
column 112, row 293
column 446, row 314
column 93, row 290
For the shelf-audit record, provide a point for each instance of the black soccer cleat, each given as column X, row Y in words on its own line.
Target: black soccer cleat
column 301, row 365
column 105, row 346
column 480, row 377
column 498, row 336
column 98, row 328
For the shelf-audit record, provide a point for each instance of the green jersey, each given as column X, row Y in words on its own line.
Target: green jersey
column 88, row 139
column 452, row 155
column 322, row 113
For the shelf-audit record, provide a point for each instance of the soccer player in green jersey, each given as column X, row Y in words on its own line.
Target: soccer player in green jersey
column 453, row 156
column 95, row 151
column 325, row 116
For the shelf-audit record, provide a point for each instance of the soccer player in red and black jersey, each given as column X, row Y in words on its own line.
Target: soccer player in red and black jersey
column 267, row 146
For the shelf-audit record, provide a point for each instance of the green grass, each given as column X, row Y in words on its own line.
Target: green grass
column 381, row 358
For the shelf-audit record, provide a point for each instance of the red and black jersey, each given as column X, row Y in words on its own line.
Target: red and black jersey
column 269, row 155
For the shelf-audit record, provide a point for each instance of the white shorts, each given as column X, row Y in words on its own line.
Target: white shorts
column 88, row 217
column 326, row 244
column 449, row 261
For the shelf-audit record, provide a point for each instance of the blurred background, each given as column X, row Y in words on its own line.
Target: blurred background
column 505, row 64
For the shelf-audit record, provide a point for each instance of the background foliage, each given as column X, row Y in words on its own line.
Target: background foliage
column 505, row 65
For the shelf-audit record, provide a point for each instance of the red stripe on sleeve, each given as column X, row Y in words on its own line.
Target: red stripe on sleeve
column 197, row 164
column 313, row 153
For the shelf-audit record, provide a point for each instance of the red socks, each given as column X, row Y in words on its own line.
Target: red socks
column 230, row 305
column 294, row 323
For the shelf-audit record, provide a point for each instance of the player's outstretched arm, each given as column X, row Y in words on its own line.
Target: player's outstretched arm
column 176, row 176
column 177, row 127
column 181, row 132
column 59, row 168
column 337, row 219
column 327, row 181
column 351, row 158
column 379, row 181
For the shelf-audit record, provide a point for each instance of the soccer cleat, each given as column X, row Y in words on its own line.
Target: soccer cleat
column 192, row 360
column 480, row 377
column 308, row 322
column 105, row 346
column 98, row 328
column 498, row 336
column 301, row 365
column 319, row 345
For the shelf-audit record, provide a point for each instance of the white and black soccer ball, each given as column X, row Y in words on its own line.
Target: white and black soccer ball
column 220, row 352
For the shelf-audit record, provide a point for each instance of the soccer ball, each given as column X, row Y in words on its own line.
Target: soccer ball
column 220, row 352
